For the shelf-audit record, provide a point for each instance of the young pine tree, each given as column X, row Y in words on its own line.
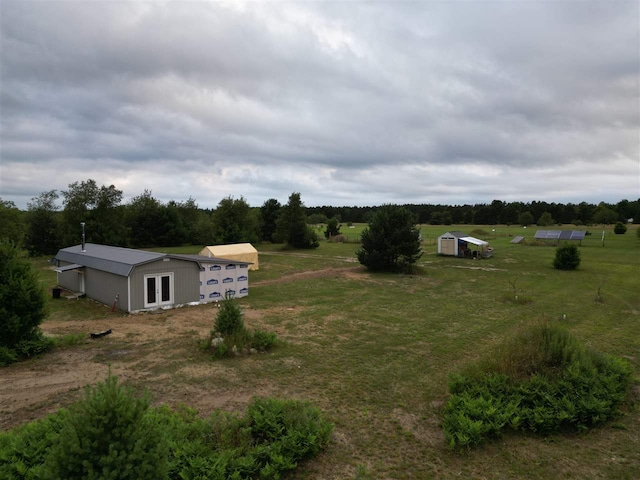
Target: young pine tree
column 109, row 436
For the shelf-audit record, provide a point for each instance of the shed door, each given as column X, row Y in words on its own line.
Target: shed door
column 448, row 246
column 158, row 290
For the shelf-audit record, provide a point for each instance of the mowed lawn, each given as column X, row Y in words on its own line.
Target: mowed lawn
column 374, row 351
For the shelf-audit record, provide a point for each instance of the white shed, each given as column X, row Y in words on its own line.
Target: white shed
column 458, row 244
column 243, row 252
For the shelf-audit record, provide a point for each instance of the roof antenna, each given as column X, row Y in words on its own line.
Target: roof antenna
column 82, row 225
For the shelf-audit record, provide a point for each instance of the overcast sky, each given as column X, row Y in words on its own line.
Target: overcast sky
column 348, row 103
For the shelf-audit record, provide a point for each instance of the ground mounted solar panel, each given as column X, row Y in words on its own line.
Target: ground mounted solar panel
column 560, row 235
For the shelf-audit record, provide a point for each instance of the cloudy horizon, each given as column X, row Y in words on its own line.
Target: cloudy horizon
column 348, row 103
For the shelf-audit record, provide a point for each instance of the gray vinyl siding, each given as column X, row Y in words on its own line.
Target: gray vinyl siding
column 186, row 280
column 104, row 286
column 69, row 279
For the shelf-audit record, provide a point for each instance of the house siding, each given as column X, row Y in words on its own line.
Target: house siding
column 68, row 280
column 186, row 285
column 98, row 285
column 104, row 287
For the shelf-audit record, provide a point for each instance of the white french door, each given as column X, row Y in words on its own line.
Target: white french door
column 158, row 290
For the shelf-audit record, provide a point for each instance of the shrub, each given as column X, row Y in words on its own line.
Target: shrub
column 268, row 441
column 542, row 381
column 24, row 450
column 22, row 302
column 567, row 257
column 7, row 356
column 229, row 318
column 263, row 340
column 229, row 337
column 109, row 436
column 620, row 228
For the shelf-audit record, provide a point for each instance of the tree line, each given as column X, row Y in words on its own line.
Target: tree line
column 144, row 221
column 497, row 212
column 53, row 218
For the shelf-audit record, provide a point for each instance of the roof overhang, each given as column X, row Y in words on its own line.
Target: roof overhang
column 474, row 241
column 73, row 266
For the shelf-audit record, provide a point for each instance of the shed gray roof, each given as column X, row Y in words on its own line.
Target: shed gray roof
column 117, row 260
column 455, row 233
column 120, row 261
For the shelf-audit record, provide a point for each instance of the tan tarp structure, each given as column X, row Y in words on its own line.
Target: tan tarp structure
column 244, row 252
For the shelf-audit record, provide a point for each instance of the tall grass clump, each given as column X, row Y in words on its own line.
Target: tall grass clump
column 543, row 380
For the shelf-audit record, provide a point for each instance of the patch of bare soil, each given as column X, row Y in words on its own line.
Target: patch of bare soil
column 349, row 272
column 156, row 350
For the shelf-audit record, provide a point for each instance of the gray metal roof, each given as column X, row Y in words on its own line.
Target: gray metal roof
column 117, row 260
column 455, row 233
column 120, row 261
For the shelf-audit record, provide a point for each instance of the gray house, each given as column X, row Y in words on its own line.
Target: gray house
column 136, row 280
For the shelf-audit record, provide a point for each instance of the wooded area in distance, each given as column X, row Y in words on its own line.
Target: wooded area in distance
column 52, row 219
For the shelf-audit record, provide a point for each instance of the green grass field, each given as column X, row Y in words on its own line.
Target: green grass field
column 374, row 351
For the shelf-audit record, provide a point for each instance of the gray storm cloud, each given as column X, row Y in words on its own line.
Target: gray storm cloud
column 360, row 103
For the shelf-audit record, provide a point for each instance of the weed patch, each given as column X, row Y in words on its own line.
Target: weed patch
column 543, row 381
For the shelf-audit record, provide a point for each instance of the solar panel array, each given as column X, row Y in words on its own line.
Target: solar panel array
column 560, row 234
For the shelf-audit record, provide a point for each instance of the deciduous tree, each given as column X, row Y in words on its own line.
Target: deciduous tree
column 234, row 221
column 43, row 226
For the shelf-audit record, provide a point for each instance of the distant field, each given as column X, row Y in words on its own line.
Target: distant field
column 374, row 351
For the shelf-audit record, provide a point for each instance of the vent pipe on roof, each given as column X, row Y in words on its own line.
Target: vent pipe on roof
column 83, row 248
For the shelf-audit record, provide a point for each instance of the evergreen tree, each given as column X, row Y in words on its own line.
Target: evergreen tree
column 22, row 302
column 109, row 435
column 269, row 213
column 292, row 225
column 391, row 242
column 567, row 257
column 333, row 228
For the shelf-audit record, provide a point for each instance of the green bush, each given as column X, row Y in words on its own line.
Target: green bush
column 22, row 302
column 268, row 441
column 567, row 257
column 542, row 381
column 229, row 318
column 23, row 451
column 229, row 336
column 263, row 340
column 109, row 435
column 620, row 228
column 7, row 356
